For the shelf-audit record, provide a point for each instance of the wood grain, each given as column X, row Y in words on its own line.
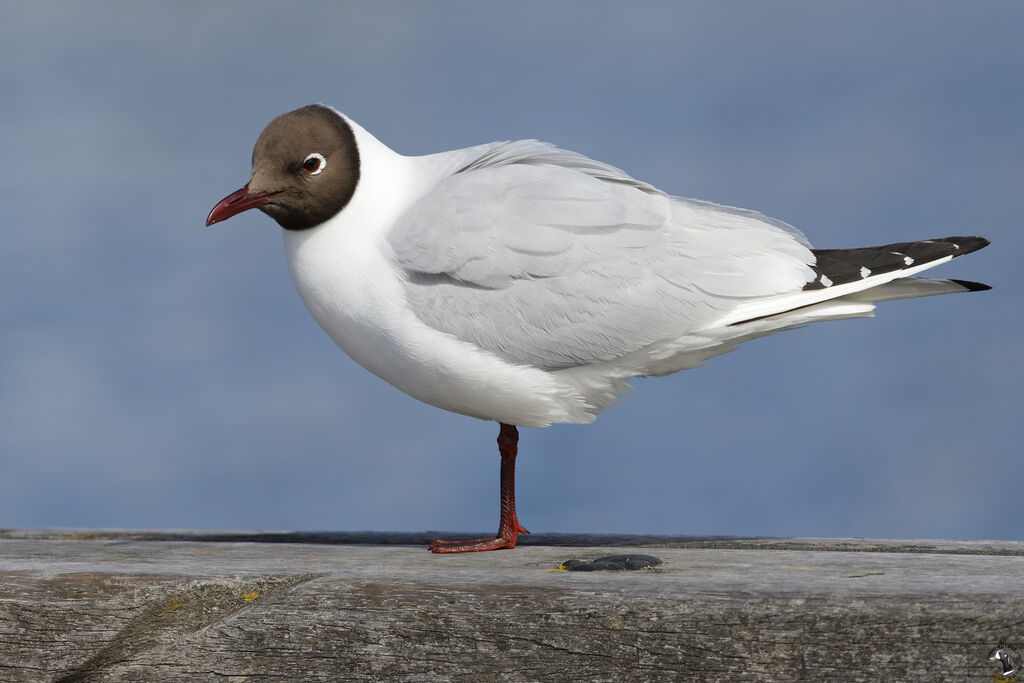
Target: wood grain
column 190, row 606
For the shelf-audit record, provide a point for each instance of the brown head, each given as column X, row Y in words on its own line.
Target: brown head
column 305, row 168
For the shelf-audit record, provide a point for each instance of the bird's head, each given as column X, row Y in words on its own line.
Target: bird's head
column 305, row 167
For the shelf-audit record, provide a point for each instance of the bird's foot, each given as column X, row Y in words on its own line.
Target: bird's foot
column 506, row 540
column 472, row 545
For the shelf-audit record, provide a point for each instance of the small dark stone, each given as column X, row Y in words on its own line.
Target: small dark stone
column 612, row 563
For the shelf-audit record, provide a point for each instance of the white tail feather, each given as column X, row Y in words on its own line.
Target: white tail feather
column 782, row 303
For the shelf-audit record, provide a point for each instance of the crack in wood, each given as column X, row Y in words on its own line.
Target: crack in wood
column 171, row 617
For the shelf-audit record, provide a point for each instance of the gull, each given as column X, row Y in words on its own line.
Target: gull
column 526, row 284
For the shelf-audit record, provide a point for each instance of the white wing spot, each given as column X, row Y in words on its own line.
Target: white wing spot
column 825, row 280
column 908, row 260
column 864, row 272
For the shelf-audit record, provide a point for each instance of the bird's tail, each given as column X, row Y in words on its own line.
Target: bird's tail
column 848, row 282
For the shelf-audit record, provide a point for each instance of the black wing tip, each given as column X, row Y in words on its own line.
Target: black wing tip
column 973, row 286
column 840, row 266
column 965, row 244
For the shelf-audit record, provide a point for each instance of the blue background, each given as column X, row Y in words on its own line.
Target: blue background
column 156, row 373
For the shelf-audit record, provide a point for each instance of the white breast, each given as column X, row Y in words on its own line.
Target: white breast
column 344, row 274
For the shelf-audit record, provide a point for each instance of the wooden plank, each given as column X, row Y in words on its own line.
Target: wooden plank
column 193, row 606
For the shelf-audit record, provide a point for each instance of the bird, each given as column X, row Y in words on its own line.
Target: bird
column 523, row 283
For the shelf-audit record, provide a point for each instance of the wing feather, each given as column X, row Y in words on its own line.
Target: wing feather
column 548, row 258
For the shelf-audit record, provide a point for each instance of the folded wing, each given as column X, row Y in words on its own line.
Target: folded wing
column 548, row 258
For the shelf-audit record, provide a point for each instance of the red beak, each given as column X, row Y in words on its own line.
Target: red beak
column 237, row 202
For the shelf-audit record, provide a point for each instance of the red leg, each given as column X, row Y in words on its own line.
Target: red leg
column 508, row 525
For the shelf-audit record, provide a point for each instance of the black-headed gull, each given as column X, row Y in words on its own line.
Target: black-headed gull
column 523, row 283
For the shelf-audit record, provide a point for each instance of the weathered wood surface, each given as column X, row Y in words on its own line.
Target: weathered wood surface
column 187, row 606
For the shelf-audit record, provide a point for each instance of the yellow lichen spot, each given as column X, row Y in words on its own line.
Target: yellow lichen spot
column 77, row 537
column 173, row 605
column 249, row 597
column 559, row 568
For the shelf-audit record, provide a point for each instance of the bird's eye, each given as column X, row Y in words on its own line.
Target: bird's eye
column 314, row 163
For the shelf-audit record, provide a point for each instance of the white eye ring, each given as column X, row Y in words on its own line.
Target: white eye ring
column 319, row 167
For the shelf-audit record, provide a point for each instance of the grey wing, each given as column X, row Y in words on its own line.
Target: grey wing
column 548, row 258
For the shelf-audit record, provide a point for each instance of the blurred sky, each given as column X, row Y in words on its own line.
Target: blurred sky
column 158, row 374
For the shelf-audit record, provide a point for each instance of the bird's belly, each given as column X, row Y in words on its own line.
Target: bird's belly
column 361, row 305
